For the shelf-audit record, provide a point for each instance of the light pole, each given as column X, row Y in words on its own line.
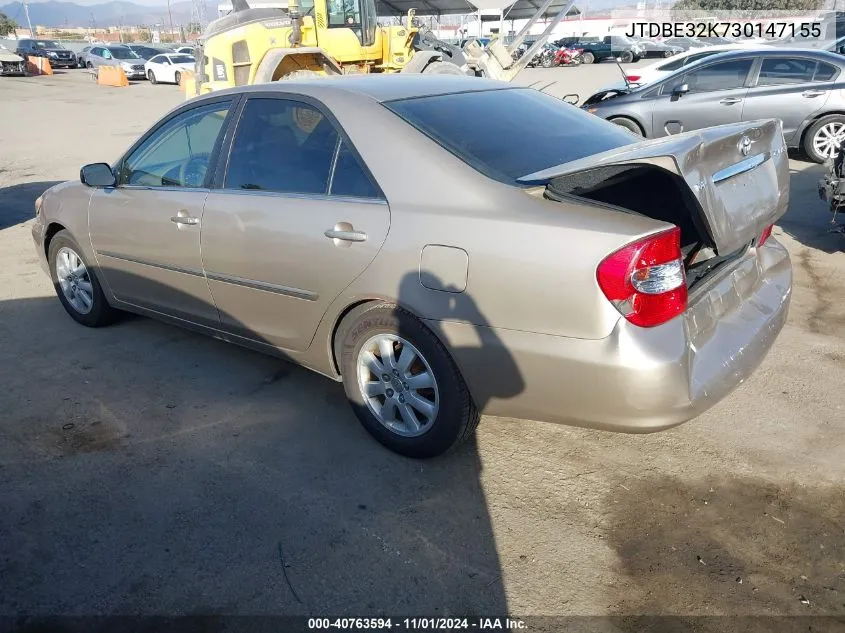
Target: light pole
column 28, row 21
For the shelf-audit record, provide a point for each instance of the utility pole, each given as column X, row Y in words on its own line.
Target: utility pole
column 171, row 18
column 28, row 21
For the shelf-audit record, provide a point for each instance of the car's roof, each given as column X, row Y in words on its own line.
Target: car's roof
column 382, row 87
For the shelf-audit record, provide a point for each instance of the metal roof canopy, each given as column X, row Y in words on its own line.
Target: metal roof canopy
column 519, row 10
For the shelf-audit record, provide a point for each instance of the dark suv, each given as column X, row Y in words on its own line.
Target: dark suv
column 59, row 56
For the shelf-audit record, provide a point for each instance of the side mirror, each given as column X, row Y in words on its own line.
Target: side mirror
column 680, row 91
column 842, row 50
column 97, row 175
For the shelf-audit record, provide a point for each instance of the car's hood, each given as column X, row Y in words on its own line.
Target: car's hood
column 56, row 50
column 738, row 173
column 7, row 56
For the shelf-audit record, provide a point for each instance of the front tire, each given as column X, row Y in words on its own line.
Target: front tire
column 667, row 54
column 152, row 77
column 402, row 384
column 76, row 283
column 588, row 58
column 819, row 140
column 177, row 78
column 628, row 124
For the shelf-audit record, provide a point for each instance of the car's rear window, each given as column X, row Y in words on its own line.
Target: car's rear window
column 506, row 134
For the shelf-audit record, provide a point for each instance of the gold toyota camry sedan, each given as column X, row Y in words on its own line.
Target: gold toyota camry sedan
column 445, row 247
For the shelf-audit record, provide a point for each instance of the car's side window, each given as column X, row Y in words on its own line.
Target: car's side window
column 282, row 145
column 178, row 153
column 350, row 178
column 825, row 72
column 777, row 71
column 156, row 59
column 719, row 76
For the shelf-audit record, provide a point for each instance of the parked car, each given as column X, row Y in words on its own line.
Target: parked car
column 801, row 87
column 608, row 47
column 144, row 52
column 653, row 48
column 11, row 64
column 59, row 56
column 120, row 56
column 168, row 67
column 685, row 43
column 403, row 284
column 82, row 57
column 184, row 50
column 658, row 70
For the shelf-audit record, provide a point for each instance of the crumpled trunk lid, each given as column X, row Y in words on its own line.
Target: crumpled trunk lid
column 738, row 174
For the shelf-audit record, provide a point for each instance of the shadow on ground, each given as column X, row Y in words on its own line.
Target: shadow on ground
column 738, row 546
column 17, row 202
column 809, row 221
column 160, row 471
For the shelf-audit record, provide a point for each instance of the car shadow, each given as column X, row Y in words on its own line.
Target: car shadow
column 150, row 469
column 808, row 219
column 17, row 202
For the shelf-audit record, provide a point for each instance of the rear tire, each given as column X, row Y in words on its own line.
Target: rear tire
column 588, row 58
column 627, row 57
column 152, row 77
column 382, row 401
column 815, row 139
column 80, row 293
column 442, row 68
column 628, row 124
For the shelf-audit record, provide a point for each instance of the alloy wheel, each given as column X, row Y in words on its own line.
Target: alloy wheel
column 398, row 385
column 828, row 137
column 74, row 280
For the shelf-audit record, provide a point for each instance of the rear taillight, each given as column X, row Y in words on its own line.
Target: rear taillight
column 645, row 280
column 633, row 78
column 767, row 232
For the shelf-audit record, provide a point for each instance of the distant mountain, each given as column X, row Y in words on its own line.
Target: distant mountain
column 112, row 13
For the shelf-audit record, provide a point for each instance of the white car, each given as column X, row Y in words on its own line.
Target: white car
column 185, row 50
column 168, row 67
column 665, row 67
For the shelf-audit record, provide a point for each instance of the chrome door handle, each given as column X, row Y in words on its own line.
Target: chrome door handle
column 184, row 219
column 730, row 100
column 345, row 233
column 812, row 93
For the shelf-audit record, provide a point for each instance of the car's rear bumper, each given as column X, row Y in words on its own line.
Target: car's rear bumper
column 635, row 380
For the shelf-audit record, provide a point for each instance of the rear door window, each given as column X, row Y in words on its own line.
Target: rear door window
column 782, row 70
column 288, row 146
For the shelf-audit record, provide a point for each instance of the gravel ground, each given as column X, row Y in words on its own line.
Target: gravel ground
column 147, row 470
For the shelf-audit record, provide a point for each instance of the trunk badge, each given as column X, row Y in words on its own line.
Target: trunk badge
column 744, row 145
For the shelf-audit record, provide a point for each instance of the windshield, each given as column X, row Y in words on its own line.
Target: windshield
column 47, row 44
column 181, row 59
column 480, row 128
column 122, row 53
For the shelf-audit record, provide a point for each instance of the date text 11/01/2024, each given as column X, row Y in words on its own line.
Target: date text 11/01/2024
column 416, row 624
column 775, row 30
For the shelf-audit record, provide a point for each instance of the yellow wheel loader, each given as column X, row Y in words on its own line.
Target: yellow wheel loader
column 313, row 38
